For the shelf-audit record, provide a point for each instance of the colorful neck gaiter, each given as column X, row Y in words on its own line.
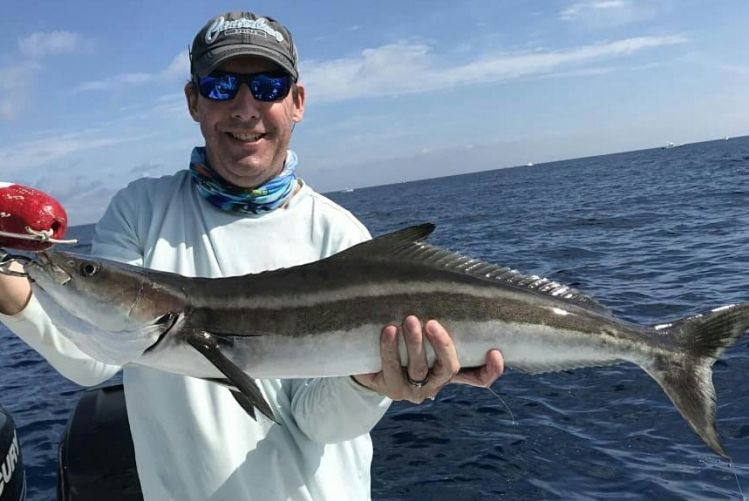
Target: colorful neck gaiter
column 265, row 198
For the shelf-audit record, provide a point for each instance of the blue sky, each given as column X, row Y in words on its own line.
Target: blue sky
column 91, row 91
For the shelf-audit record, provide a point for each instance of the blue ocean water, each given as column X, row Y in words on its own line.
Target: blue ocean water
column 654, row 235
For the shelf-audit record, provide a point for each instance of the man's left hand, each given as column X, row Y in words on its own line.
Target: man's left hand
column 417, row 382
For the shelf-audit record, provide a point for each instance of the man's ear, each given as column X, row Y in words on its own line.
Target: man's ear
column 298, row 97
column 192, row 100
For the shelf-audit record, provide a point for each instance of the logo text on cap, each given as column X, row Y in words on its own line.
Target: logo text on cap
column 242, row 25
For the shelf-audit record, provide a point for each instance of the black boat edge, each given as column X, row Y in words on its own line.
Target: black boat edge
column 12, row 473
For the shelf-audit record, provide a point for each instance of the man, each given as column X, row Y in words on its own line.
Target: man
column 241, row 209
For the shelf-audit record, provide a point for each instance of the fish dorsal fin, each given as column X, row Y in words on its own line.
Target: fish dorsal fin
column 453, row 261
column 408, row 245
column 389, row 243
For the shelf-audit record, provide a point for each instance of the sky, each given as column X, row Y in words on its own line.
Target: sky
column 91, row 91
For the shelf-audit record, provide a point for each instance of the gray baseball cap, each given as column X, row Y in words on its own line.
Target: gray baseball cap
column 242, row 34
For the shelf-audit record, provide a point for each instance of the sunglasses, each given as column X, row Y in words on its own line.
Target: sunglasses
column 223, row 86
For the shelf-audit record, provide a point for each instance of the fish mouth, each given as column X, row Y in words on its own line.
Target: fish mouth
column 44, row 266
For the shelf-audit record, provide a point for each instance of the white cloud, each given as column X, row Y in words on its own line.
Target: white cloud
column 40, row 44
column 610, row 12
column 731, row 68
column 178, row 68
column 84, row 196
column 14, row 83
column 17, row 78
column 405, row 67
column 23, row 157
column 579, row 9
column 123, row 79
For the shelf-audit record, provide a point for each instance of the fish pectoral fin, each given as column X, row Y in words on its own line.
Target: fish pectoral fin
column 244, row 402
column 159, row 328
column 221, row 381
column 251, row 396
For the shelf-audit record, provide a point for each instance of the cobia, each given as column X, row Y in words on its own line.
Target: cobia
column 324, row 319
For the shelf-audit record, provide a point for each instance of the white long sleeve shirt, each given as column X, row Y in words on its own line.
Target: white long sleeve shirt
column 192, row 440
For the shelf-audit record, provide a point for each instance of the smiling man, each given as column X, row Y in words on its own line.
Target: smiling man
column 240, row 208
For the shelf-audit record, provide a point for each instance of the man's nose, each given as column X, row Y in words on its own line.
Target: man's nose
column 244, row 104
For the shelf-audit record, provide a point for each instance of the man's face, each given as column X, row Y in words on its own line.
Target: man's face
column 246, row 139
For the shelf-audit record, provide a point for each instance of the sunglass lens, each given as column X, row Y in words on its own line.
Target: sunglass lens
column 270, row 87
column 219, row 87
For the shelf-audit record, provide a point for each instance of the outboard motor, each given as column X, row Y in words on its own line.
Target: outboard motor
column 12, row 475
column 96, row 456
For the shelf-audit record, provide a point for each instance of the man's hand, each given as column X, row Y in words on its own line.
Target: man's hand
column 418, row 382
column 15, row 291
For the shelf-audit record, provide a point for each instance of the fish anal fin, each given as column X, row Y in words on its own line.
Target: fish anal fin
column 251, row 397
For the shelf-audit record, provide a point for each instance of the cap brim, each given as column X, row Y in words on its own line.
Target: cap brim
column 212, row 59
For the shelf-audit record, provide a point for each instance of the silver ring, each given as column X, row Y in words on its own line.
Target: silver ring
column 417, row 384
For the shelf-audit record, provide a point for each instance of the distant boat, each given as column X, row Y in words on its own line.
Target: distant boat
column 669, row 146
column 347, row 190
column 529, row 164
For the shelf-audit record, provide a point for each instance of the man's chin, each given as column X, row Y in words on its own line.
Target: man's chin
column 248, row 176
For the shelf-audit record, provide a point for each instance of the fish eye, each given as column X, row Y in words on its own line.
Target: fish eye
column 89, row 269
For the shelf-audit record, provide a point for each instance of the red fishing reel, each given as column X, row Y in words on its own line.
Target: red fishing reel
column 30, row 220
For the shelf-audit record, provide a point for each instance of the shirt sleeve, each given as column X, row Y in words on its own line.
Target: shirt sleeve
column 332, row 410
column 116, row 235
column 114, row 239
column 36, row 329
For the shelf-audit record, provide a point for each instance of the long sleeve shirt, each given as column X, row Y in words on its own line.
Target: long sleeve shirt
column 192, row 440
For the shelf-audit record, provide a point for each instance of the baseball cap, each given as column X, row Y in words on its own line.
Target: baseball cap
column 242, row 34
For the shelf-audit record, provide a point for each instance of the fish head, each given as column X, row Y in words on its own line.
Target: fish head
column 102, row 293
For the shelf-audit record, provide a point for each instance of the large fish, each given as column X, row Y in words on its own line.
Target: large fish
column 324, row 319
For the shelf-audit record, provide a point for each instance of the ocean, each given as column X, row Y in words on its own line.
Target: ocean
column 654, row 235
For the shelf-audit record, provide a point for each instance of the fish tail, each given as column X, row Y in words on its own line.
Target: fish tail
column 687, row 377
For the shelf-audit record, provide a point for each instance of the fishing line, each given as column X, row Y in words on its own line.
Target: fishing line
column 738, row 481
column 506, row 406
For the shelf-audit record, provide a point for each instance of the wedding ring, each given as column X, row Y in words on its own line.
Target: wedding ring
column 417, row 384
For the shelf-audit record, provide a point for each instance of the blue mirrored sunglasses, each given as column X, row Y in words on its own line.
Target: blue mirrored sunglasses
column 223, row 86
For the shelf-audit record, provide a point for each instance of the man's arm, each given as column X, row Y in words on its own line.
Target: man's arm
column 335, row 409
column 15, row 292
column 23, row 316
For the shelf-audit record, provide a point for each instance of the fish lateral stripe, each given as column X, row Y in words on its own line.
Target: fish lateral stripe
column 316, row 317
column 372, row 289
